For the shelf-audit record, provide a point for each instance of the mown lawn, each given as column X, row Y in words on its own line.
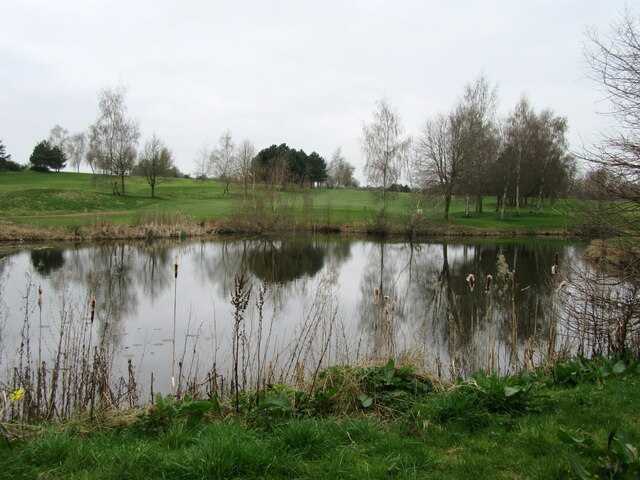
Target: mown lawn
column 31, row 193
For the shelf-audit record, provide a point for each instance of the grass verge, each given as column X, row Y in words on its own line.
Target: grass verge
column 549, row 424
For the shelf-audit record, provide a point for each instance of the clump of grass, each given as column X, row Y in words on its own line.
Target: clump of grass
column 475, row 401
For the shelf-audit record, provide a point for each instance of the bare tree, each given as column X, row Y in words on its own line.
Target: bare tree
column 223, row 160
column 340, row 172
column 245, row 154
column 534, row 143
column 113, row 138
column 614, row 61
column 480, row 140
column 156, row 162
column 438, row 159
column 609, row 299
column 202, row 163
column 77, row 147
column 59, row 137
column 384, row 147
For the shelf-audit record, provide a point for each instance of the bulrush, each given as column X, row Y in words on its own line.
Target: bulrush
column 376, row 295
column 487, row 284
column 39, row 364
column 562, row 286
column 173, row 354
column 471, row 280
column 554, row 267
column 93, row 308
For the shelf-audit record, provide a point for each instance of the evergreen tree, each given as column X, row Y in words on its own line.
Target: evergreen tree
column 46, row 157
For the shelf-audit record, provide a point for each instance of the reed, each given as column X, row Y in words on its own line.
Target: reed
column 173, row 350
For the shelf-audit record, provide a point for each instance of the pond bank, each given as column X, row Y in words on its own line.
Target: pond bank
column 21, row 233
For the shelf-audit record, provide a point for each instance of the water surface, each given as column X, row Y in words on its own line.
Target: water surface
column 325, row 301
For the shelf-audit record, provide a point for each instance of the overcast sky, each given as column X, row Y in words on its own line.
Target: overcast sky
column 300, row 72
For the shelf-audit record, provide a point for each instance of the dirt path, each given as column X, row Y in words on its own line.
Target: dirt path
column 67, row 215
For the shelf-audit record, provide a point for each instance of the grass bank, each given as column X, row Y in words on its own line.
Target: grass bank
column 576, row 419
column 47, row 206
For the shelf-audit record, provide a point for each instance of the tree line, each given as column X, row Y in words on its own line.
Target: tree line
column 470, row 152
column 110, row 147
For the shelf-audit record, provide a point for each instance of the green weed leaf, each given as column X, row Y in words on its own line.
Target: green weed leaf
column 510, row 391
column 579, row 470
column 275, row 402
column 619, row 367
column 365, row 400
column 388, row 371
column 566, row 438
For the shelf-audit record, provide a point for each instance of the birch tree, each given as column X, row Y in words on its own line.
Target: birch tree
column 113, row 138
column 223, row 160
column 59, row 137
column 479, row 136
column 245, row 154
column 77, row 149
column 534, row 143
column 384, row 147
column 202, row 163
column 340, row 172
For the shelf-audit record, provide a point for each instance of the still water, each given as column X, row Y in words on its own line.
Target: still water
column 324, row 301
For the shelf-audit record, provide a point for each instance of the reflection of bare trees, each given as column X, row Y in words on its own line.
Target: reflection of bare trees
column 153, row 268
column 381, row 299
column 601, row 311
column 112, row 281
column 440, row 314
column 412, row 297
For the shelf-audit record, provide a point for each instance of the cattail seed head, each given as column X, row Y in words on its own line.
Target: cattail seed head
column 487, row 285
column 562, row 286
column 554, row 267
column 175, row 269
column 471, row 280
column 93, row 308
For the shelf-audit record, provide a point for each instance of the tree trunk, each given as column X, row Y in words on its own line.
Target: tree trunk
column 479, row 204
column 518, row 189
column 539, row 205
column 466, row 205
column 384, row 202
column 153, row 190
column 122, row 183
column 504, row 201
column 447, row 202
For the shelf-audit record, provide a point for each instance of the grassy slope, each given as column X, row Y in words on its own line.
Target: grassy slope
column 507, row 447
column 31, row 193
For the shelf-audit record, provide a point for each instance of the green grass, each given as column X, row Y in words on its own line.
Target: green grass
column 513, row 440
column 31, row 193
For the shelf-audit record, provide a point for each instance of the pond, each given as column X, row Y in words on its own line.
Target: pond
column 261, row 311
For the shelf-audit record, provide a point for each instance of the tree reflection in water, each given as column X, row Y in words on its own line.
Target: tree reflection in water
column 394, row 297
column 439, row 314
